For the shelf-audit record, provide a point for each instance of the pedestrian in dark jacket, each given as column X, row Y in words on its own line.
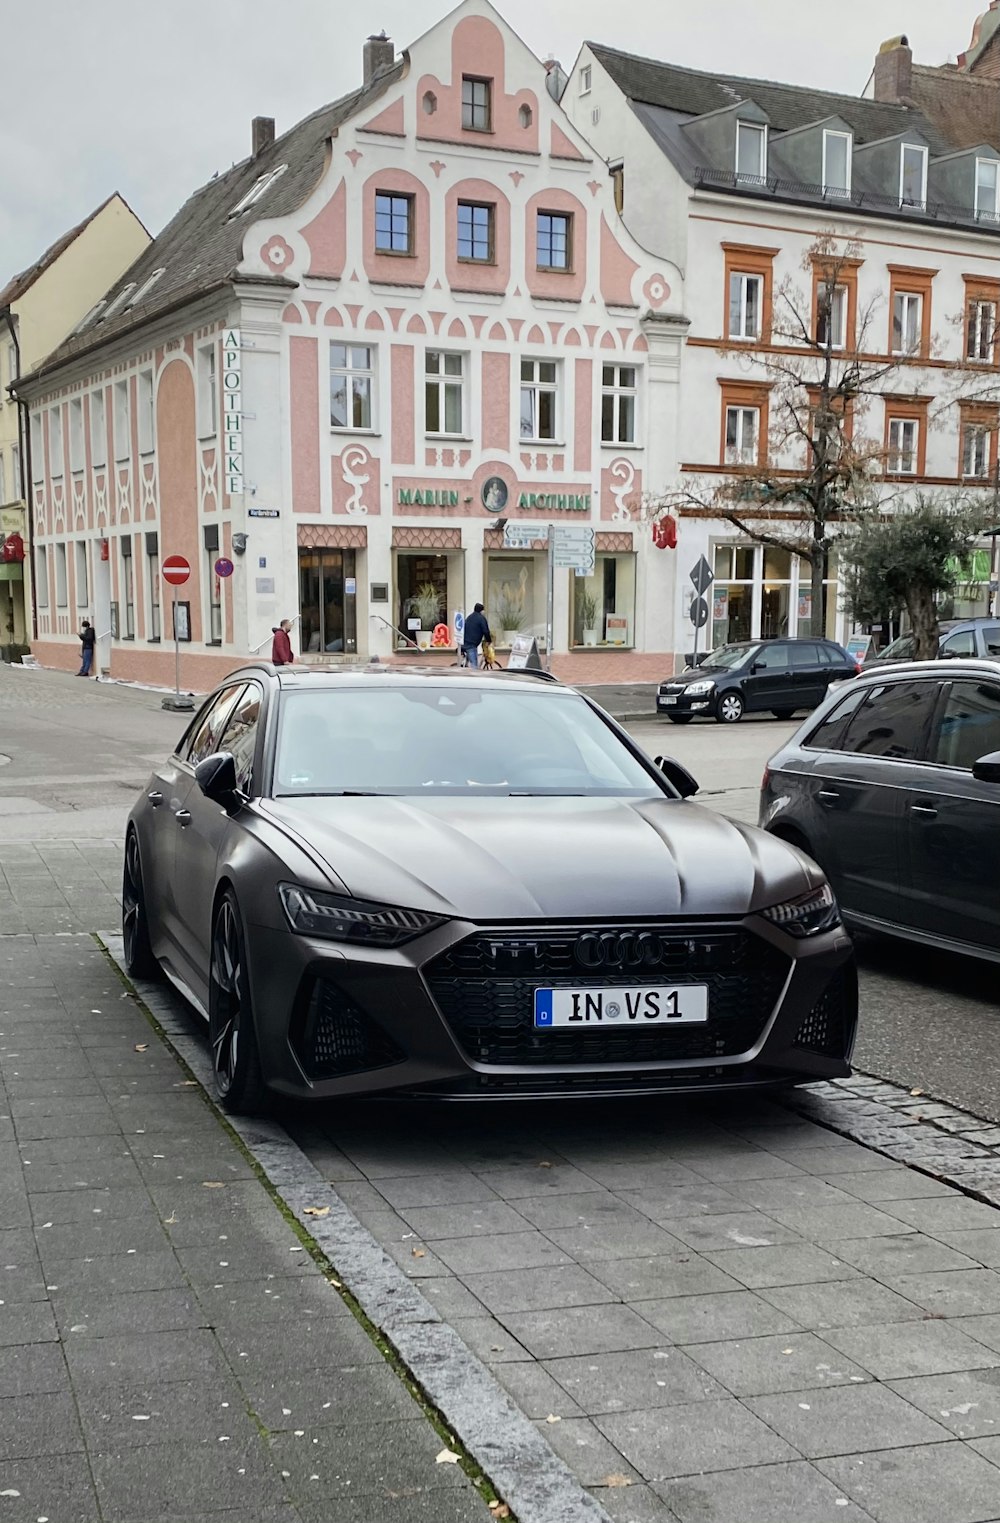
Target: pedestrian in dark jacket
column 88, row 639
column 476, row 631
column 281, row 645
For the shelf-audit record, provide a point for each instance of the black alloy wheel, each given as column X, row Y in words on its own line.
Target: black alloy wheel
column 729, row 708
column 232, row 1034
column 139, row 959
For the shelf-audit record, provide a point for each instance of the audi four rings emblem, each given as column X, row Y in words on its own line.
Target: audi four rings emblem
column 618, row 949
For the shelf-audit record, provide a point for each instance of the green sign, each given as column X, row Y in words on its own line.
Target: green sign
column 971, row 568
column 407, row 498
column 555, row 502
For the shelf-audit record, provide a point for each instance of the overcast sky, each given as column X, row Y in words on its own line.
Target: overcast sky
column 104, row 95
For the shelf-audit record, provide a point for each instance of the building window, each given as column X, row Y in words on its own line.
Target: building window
column 428, row 585
column 617, row 173
column 837, row 163
column 262, row 184
column 393, row 223
column 117, row 302
column 746, row 300
column 618, row 403
column 539, row 395
column 444, row 393
column 82, row 587
column 147, row 432
column 42, row 575
column 11, row 363
column 128, row 587
column 732, row 594
column 987, row 190
column 554, row 241
column 56, row 440
column 585, row 79
column 831, row 316
column 98, row 429
column 477, row 104
column 913, row 176
column 208, row 396
column 61, row 593
column 980, row 330
column 153, row 583
column 975, row 451
column 76, row 451
column 476, row 232
column 742, row 435
column 328, row 611
column 144, row 290
column 37, row 447
column 906, row 322
column 904, row 438
column 212, row 582
column 352, row 385
column 751, row 151
column 122, row 441
column 15, row 473
column 603, row 604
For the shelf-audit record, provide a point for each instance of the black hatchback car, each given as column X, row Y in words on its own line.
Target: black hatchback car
column 781, row 676
column 894, row 788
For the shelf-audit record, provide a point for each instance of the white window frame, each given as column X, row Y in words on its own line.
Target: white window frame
column 42, row 575
column 535, row 387
column 443, row 382
column 586, row 78
column 15, row 466
column 98, row 428
column 145, row 422
column 980, row 330
column 126, row 629
column 743, row 306
column 208, row 392
column 262, row 184
column 904, row 149
column 900, row 429
column 350, row 371
column 77, row 450
column 846, row 137
column 57, row 462
column 11, row 363
column 36, row 430
column 989, row 213
column 908, row 302
column 838, row 310
column 62, row 580
column 618, row 391
column 740, row 453
column 975, row 452
column 122, row 421
column 144, row 290
column 154, row 589
column 82, row 573
column 760, row 131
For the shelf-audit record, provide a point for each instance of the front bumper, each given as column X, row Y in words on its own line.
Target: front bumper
column 450, row 1014
column 671, row 699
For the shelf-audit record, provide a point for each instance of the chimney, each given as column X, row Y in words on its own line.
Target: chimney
column 379, row 54
column 263, row 133
column 556, row 78
column 893, row 71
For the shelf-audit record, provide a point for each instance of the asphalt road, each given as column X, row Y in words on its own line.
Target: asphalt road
column 79, row 751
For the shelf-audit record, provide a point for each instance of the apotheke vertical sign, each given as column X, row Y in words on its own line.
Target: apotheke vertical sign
column 232, row 401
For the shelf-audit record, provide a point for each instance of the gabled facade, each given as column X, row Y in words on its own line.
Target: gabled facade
column 38, row 308
column 412, row 316
column 742, row 183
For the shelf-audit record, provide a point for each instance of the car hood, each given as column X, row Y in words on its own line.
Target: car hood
column 699, row 674
column 513, row 858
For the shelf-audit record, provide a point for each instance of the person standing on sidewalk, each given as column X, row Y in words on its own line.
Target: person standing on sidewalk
column 281, row 645
column 476, row 630
column 88, row 639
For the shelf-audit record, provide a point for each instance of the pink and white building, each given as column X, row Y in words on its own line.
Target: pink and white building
column 342, row 362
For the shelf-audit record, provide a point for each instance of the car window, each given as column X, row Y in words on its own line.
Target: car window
column 961, row 644
column 452, row 738
column 893, row 722
column 969, row 726
column 240, row 734
column 991, row 639
column 771, row 658
column 728, row 657
column 900, row 650
column 829, row 733
column 206, row 735
column 804, row 653
column 831, row 655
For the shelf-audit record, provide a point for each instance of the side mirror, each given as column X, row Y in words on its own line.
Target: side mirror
column 758, row 666
column 679, row 777
column 216, row 777
column 987, row 768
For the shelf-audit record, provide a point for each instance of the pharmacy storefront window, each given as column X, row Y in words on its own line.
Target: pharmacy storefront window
column 603, row 604
column 429, row 588
column 516, row 596
column 328, row 602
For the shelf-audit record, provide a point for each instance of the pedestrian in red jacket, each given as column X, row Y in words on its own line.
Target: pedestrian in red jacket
column 281, row 646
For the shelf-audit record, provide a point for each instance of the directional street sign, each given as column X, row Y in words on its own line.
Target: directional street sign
column 521, row 536
column 702, row 575
column 573, row 548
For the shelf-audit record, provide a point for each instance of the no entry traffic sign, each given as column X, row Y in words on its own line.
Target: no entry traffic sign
column 175, row 570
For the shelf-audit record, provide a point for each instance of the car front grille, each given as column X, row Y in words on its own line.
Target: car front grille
column 332, row 1037
column 829, row 1026
column 485, row 988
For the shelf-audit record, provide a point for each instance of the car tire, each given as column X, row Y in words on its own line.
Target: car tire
column 783, row 713
column 232, row 1032
column 729, row 708
column 680, row 718
column 139, row 959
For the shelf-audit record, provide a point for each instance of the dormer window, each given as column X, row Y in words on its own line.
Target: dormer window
column 913, row 176
column 837, row 163
column 257, row 189
column 751, row 151
column 144, row 290
column 987, row 190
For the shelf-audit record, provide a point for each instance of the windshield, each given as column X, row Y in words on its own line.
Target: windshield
column 726, row 657
column 450, row 738
column 899, row 650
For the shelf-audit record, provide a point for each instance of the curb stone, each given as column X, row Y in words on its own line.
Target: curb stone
column 533, row 1481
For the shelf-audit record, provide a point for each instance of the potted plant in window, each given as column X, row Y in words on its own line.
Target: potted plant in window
column 509, row 615
column 427, row 605
column 587, row 606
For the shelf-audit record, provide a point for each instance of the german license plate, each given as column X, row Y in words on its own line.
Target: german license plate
column 668, row 1005
column 666, row 702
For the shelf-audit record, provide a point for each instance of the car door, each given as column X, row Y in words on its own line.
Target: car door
column 165, row 793
column 953, row 821
column 961, row 643
column 768, row 680
column 807, row 680
column 861, row 788
column 989, row 640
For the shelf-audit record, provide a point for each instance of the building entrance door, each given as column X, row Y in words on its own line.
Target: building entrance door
column 328, row 602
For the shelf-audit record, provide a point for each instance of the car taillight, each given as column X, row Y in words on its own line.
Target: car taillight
column 765, row 780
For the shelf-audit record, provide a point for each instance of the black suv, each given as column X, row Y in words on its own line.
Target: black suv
column 779, row 675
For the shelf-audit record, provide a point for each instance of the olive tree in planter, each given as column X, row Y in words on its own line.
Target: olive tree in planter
column 587, row 607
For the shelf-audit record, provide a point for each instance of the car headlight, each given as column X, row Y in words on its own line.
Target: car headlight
column 311, row 913
column 694, row 688
column 808, row 915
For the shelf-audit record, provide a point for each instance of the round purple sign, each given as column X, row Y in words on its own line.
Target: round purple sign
column 223, row 567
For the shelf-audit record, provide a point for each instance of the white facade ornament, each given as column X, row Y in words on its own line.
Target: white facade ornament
column 622, row 471
column 351, row 461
